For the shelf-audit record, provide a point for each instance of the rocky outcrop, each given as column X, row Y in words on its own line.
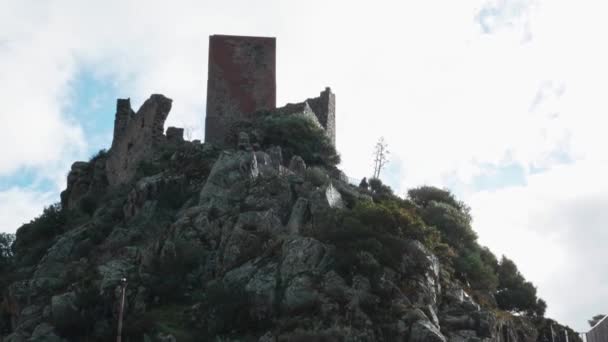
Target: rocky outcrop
column 234, row 245
column 86, row 182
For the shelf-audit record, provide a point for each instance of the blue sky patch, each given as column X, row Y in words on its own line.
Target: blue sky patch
column 500, row 177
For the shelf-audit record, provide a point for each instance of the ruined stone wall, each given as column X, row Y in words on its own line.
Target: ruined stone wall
column 323, row 108
column 241, row 80
column 136, row 136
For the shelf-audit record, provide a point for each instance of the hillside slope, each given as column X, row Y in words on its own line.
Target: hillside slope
column 265, row 242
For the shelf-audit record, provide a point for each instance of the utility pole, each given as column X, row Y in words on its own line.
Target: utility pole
column 123, row 284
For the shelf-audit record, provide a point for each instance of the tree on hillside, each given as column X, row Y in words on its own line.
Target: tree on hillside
column 425, row 194
column 595, row 319
column 6, row 252
column 454, row 225
column 381, row 153
column 514, row 293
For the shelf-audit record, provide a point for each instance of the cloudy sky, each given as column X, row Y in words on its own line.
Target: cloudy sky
column 501, row 101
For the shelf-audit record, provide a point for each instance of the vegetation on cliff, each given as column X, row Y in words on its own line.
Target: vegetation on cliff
column 266, row 242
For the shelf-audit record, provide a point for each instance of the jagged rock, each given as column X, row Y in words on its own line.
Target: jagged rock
column 485, row 323
column 463, row 336
column 262, row 288
column 161, row 337
column 86, row 182
column 431, row 314
column 44, row 332
column 64, row 311
column 252, row 250
column 225, row 184
column 427, row 279
column 266, row 221
column 241, row 246
column 243, row 142
column 276, row 155
column 301, row 254
column 425, row 331
column 297, row 165
column 299, row 216
column 149, row 188
column 267, row 337
column 113, row 271
column 322, row 199
column 334, row 199
column 29, row 317
column 300, row 295
column 15, row 337
column 335, row 286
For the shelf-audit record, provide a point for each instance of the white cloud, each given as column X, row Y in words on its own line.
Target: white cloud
column 18, row 206
column 554, row 229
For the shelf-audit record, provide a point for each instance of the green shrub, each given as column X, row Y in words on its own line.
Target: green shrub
column 515, row 293
column 297, row 135
column 34, row 238
column 88, row 204
column 100, row 154
column 480, row 274
column 380, row 229
column 147, row 168
column 380, row 192
column 225, row 303
column 424, row 195
column 453, row 224
column 316, row 176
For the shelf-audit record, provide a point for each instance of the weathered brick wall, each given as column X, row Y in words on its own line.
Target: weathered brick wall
column 136, row 136
column 241, row 80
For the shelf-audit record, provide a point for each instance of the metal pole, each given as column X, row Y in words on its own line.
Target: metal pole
column 552, row 334
column 123, row 283
column 566, row 333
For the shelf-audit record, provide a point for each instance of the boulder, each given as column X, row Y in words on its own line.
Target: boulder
column 297, row 165
column 64, row 311
column 300, row 295
column 300, row 214
column 301, row 254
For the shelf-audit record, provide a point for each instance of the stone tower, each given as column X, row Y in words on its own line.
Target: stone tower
column 241, row 80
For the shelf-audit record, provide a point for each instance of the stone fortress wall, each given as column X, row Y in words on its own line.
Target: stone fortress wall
column 136, row 136
column 242, row 81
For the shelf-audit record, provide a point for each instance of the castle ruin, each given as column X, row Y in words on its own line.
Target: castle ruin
column 242, row 81
column 136, row 136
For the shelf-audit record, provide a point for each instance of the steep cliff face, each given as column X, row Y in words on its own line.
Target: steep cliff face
column 234, row 245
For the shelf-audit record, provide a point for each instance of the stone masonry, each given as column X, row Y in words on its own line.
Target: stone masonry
column 241, row 80
column 323, row 108
column 136, row 136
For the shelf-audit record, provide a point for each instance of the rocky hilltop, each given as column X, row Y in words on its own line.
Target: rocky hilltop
column 263, row 242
